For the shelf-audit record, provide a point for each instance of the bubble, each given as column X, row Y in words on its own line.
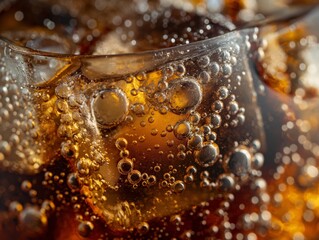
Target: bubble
column 180, row 70
column 48, row 206
column 73, row 182
column 222, row 93
column 125, row 166
column 184, row 95
column 5, row 147
column 207, row 155
column 151, row 180
column 85, row 228
column 69, row 150
column 236, row 49
column 110, row 107
column 260, row 184
column 217, row 106
column 203, row 61
column 143, row 228
column 204, row 77
column 191, row 170
column 194, row 118
column 308, row 175
column 63, row 91
column 239, row 162
column 83, row 166
column 134, row 177
column 76, row 101
column 160, row 97
column 241, row 118
column 26, row 185
column 62, row 106
column 141, row 76
column 15, row 207
column 195, row 142
column 33, row 221
column 121, row 143
column 226, row 70
column 176, row 219
column 256, row 144
column 178, row 186
column 138, row 109
column 214, row 68
column 258, row 161
column 225, row 182
column 233, row 107
column 215, row 120
column 134, row 92
column 224, row 56
column 182, row 130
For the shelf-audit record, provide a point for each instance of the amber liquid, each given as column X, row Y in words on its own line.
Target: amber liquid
column 222, row 145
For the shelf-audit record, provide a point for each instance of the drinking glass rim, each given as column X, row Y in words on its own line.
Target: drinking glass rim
column 175, row 50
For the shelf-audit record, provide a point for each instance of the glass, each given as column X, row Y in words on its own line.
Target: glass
column 158, row 122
